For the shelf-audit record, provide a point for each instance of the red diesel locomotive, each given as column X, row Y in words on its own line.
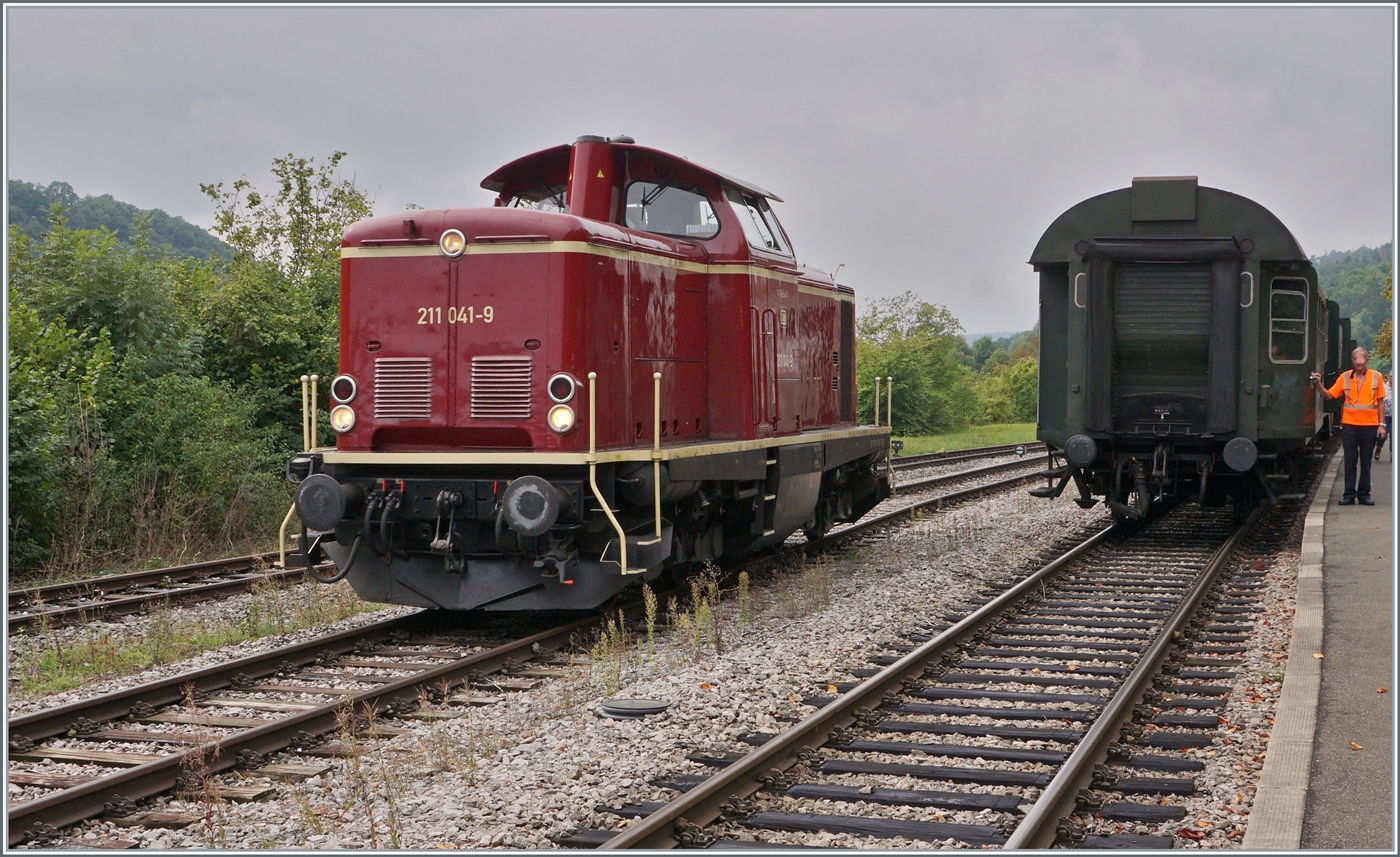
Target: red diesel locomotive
column 619, row 368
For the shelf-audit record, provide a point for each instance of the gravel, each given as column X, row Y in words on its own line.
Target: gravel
column 538, row 762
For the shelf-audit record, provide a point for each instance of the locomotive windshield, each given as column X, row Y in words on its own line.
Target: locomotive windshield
column 760, row 225
column 670, row 210
column 551, row 198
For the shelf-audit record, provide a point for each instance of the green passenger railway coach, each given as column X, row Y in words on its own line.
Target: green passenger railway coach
column 1179, row 325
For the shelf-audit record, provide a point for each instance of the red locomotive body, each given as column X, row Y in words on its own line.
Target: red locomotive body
column 504, row 438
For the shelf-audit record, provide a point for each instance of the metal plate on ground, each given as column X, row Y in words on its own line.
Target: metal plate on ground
column 631, row 709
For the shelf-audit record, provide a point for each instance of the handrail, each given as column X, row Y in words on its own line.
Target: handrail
column 592, row 459
column 656, row 448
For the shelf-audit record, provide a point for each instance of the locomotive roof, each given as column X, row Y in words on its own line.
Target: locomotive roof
column 1168, row 207
column 556, row 159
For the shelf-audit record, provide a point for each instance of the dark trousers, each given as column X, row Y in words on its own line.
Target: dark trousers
column 1358, row 441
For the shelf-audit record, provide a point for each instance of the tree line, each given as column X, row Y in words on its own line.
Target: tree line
column 151, row 393
column 940, row 382
column 1357, row 280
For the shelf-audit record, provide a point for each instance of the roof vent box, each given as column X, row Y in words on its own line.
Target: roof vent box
column 1164, row 198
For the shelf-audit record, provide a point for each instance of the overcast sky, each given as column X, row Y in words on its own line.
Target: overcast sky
column 925, row 148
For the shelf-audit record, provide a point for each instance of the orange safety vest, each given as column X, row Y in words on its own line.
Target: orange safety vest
column 1364, row 403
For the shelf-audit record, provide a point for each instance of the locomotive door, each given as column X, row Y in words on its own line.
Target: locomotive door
column 666, row 308
column 763, row 348
column 496, row 381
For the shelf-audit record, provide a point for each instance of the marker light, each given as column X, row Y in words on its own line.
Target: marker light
column 452, row 243
column 342, row 418
column 343, row 388
column 562, row 387
column 561, row 418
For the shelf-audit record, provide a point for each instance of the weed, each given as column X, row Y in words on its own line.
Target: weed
column 742, row 597
column 612, row 651
column 649, row 602
column 198, row 775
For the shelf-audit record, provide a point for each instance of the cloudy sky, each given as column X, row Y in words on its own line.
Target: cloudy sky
column 925, row 149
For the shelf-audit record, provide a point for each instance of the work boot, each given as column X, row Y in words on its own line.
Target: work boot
column 1366, row 501
column 1347, row 501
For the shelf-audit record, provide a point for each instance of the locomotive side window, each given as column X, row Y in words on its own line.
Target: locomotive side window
column 669, row 210
column 551, row 198
column 1288, row 320
column 759, row 225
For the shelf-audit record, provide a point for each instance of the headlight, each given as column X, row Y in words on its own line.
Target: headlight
column 562, row 387
column 452, row 243
column 343, row 388
column 342, row 418
column 561, row 418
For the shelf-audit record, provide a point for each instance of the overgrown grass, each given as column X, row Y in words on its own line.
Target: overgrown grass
column 50, row 660
column 993, row 435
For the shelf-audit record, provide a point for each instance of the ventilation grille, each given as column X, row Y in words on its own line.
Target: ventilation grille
column 403, row 388
column 501, row 387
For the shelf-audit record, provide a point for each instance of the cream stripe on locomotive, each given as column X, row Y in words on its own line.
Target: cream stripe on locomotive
column 638, row 255
column 879, row 436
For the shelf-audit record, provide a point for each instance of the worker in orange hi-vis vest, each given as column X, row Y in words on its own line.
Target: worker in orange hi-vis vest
column 1363, row 393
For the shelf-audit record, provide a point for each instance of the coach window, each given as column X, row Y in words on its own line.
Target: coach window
column 760, row 226
column 1288, row 320
column 669, row 210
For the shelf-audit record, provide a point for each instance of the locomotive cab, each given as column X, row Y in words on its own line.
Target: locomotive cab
column 618, row 367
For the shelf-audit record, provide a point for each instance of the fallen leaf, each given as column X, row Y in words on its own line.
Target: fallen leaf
column 1239, row 797
column 1189, row 833
column 446, row 846
column 1380, row 690
column 1355, row 746
column 1035, row 669
column 1317, row 655
column 708, row 686
column 1234, row 834
column 831, row 688
column 1071, row 668
column 792, row 698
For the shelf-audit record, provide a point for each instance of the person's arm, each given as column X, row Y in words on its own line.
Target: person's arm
column 1384, row 394
column 1333, row 393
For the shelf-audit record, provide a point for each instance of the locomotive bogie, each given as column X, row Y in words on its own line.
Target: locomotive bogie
column 1179, row 326
column 622, row 357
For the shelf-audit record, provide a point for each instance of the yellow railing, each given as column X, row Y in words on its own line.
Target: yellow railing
column 592, row 459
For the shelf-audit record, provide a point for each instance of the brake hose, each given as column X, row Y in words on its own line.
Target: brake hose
column 349, row 563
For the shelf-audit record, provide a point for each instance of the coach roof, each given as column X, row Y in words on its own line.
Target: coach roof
column 1170, row 208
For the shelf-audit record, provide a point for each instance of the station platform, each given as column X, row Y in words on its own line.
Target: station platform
column 1327, row 779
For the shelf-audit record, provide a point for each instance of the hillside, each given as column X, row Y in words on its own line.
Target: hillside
column 31, row 206
column 1354, row 279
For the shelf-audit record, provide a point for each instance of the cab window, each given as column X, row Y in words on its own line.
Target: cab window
column 669, row 210
column 757, row 220
column 1288, row 320
column 552, row 198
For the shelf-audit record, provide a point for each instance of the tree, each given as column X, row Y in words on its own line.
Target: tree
column 1384, row 350
column 981, row 350
column 276, row 313
column 917, row 344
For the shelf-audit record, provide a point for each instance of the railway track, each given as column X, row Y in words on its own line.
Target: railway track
column 112, row 751
column 929, row 459
column 121, row 594
column 1055, row 712
column 125, row 594
column 107, row 753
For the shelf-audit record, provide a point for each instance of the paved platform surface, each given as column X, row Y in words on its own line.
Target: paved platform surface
column 1349, row 796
